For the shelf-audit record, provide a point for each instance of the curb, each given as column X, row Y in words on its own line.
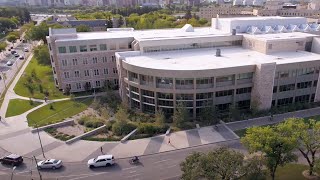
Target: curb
column 70, row 141
column 59, row 124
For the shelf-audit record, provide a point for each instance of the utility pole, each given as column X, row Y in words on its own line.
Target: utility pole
column 37, row 167
column 40, row 142
column 4, row 77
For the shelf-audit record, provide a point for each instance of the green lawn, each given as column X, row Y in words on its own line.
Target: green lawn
column 291, row 172
column 44, row 78
column 59, row 111
column 19, row 106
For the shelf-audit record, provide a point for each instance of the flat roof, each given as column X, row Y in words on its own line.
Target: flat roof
column 259, row 18
column 144, row 34
column 205, row 59
column 281, row 36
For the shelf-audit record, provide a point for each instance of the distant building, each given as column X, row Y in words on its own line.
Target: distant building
column 224, row 10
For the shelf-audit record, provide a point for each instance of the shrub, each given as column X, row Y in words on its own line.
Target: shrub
column 109, row 125
column 122, row 128
column 152, row 129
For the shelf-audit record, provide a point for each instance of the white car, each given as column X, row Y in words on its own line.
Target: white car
column 25, row 49
column 104, row 160
column 50, row 164
column 21, row 57
column 9, row 63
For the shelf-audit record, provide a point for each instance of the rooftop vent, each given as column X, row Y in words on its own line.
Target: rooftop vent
column 218, row 52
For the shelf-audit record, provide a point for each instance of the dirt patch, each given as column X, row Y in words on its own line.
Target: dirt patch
column 315, row 176
column 75, row 130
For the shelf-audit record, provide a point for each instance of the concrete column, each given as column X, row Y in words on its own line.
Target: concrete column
column 140, row 93
column 194, row 98
column 317, row 94
column 261, row 95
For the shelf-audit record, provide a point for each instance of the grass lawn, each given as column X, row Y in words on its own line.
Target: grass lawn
column 44, row 78
column 291, row 172
column 59, row 111
column 19, row 106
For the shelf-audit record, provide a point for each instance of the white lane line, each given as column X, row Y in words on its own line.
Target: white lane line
column 88, row 176
column 161, row 161
column 133, row 176
column 132, row 172
column 129, row 168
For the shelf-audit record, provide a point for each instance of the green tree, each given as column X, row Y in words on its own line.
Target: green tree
column 160, row 117
column 191, row 167
column 3, row 46
column 307, row 134
column 277, row 148
column 41, row 53
column 209, row 115
column 12, row 38
column 109, row 22
column 6, row 24
column 180, row 115
column 83, row 28
column 122, row 114
column 40, row 32
column 121, row 21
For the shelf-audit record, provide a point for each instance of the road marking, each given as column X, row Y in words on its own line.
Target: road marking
column 162, row 161
column 88, row 176
column 132, row 172
column 129, row 168
column 133, row 176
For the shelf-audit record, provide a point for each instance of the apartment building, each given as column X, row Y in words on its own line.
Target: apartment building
column 224, row 10
column 266, row 61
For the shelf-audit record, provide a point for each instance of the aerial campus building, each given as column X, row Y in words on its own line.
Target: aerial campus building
column 266, row 61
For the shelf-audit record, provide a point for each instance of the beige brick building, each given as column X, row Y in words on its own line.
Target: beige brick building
column 158, row 69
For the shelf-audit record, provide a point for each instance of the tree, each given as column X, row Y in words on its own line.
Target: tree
column 191, row 167
column 121, row 114
column 188, row 14
column 12, row 38
column 160, row 117
column 41, row 53
column 40, row 32
column 3, row 46
column 307, row 136
column 121, row 21
column 209, row 115
column 234, row 113
column 277, row 148
column 6, row 24
column 83, row 28
column 180, row 115
column 109, row 22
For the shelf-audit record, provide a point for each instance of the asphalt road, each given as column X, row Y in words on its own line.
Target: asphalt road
column 163, row 166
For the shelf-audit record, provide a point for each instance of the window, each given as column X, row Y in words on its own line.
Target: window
column 83, row 48
column 93, row 47
column 62, row 50
column 305, row 71
column 86, row 73
column 269, row 46
column 302, row 99
column 275, row 89
column 113, row 58
column 94, row 60
column 224, row 93
column 315, row 83
column 104, row 59
column 115, row 71
column 288, row 87
column 116, row 81
column 66, row 75
column 96, row 72
column 244, row 90
column 64, row 62
column 73, row 49
column 245, row 76
column 51, row 58
column 304, row 85
column 77, row 74
column 204, row 80
column 243, row 104
column 285, row 101
column 105, row 71
column 204, row 96
column 224, row 78
column 85, row 61
column 103, row 47
column 74, row 62
column 97, row 83
column 78, row 85
column 68, row 86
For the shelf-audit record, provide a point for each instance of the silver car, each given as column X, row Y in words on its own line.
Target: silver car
column 50, row 164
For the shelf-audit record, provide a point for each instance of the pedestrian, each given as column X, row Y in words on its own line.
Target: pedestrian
column 101, row 150
column 169, row 141
column 0, row 118
column 271, row 117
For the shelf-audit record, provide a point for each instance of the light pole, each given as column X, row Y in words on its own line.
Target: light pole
column 14, row 167
column 40, row 142
column 40, row 176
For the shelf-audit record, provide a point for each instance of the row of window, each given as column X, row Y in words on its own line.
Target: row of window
column 87, row 73
column 290, row 87
column 90, row 48
column 85, row 61
column 297, row 72
column 298, row 99
column 89, row 85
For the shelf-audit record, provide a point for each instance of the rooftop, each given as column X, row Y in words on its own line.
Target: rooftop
column 204, row 59
column 281, row 36
column 262, row 18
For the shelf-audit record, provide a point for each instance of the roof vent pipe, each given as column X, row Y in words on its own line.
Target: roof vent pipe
column 234, row 32
column 218, row 52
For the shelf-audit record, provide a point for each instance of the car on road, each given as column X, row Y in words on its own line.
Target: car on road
column 9, row 63
column 16, row 55
column 50, row 164
column 12, row 159
column 21, row 57
column 103, row 160
column 13, row 51
column 25, row 49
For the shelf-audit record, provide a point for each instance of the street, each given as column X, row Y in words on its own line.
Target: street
column 158, row 166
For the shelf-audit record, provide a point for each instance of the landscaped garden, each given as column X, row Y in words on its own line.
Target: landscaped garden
column 37, row 81
column 19, row 106
column 57, row 111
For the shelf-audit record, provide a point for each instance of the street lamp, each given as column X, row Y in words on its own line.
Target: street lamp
column 40, row 142
column 14, row 167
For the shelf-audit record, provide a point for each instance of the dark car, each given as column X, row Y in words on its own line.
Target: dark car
column 12, row 52
column 12, row 159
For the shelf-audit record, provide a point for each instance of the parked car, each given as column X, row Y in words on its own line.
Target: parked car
column 25, row 49
column 50, row 164
column 16, row 55
column 21, row 57
column 12, row 159
column 13, row 51
column 103, row 160
column 9, row 63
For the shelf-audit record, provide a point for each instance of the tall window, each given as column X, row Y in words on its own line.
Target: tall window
column 104, row 59
column 96, row 72
column 97, row 83
column 105, row 71
column 115, row 71
column 83, row 48
column 113, row 58
column 62, row 49
column 76, row 73
column 73, row 49
column 103, row 47
column 94, row 60
column 93, row 47
column 86, row 73
column 66, row 75
column 78, row 85
column 64, row 62
column 85, row 61
column 74, row 62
